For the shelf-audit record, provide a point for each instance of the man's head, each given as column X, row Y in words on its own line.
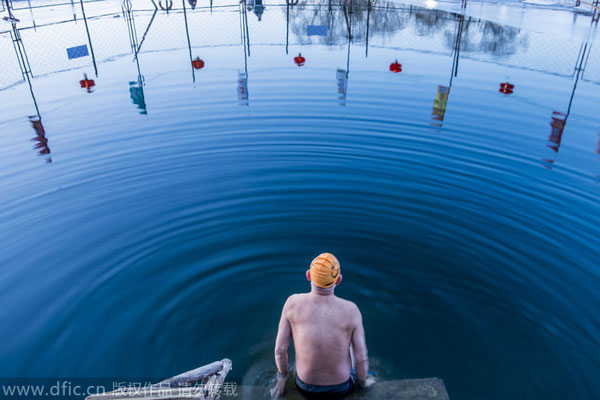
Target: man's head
column 324, row 271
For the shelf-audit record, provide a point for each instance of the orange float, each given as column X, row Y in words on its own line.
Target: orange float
column 396, row 67
column 299, row 60
column 87, row 84
column 198, row 63
column 506, row 88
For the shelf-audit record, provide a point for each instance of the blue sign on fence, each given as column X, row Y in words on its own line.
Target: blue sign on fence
column 77, row 51
column 316, row 30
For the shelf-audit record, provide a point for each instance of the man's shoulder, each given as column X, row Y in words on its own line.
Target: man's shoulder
column 295, row 299
column 348, row 305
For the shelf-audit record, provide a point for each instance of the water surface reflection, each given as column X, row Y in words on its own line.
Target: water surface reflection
column 223, row 145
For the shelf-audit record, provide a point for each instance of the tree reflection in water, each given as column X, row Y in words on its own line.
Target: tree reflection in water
column 388, row 18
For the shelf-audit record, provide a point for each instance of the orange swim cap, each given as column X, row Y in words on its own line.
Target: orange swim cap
column 324, row 270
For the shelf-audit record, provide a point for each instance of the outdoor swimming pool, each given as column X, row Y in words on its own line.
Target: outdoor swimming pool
column 156, row 214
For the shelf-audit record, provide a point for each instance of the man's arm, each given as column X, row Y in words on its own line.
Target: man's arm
column 359, row 348
column 284, row 335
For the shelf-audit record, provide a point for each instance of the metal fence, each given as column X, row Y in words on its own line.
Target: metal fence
column 10, row 73
column 527, row 50
column 112, row 29
column 592, row 65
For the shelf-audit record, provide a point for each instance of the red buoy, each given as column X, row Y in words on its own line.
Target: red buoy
column 506, row 88
column 198, row 63
column 396, row 67
column 299, row 60
column 87, row 84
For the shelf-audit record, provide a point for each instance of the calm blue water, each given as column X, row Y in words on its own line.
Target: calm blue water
column 165, row 222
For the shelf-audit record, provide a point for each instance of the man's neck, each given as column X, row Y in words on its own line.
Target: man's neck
column 314, row 289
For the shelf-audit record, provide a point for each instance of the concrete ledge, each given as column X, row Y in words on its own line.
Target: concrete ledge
column 403, row 389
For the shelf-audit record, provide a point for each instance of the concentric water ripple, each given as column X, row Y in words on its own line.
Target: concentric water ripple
column 156, row 243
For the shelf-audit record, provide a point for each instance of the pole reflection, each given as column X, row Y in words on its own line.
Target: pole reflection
column 331, row 23
column 558, row 119
column 439, row 105
column 136, row 93
column 242, row 78
column 40, row 137
column 440, row 102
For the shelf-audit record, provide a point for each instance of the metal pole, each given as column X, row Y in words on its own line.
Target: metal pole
column 244, row 30
column 247, row 29
column 461, row 22
column 287, row 28
column 37, row 110
column 579, row 67
column 348, row 59
column 369, row 8
column 24, row 63
column 137, row 46
column 20, row 52
column 31, row 13
column 18, row 56
column 89, row 38
column 187, row 34
column 348, row 19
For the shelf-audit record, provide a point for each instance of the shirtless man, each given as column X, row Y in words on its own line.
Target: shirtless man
column 328, row 337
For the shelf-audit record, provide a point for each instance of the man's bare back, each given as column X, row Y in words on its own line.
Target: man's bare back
column 322, row 328
column 325, row 328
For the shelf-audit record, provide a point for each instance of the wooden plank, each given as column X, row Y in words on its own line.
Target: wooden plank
column 220, row 378
column 152, row 394
column 210, row 377
column 192, row 376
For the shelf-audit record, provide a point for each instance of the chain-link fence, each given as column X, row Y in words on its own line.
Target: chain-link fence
column 47, row 47
column 525, row 50
column 10, row 72
column 56, row 36
column 592, row 65
column 168, row 31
